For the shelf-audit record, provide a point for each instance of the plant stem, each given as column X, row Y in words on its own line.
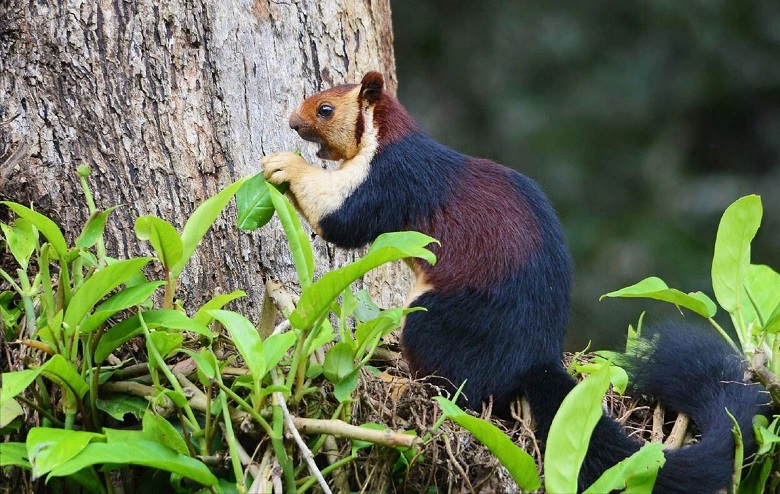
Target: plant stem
column 231, row 441
column 723, row 333
column 311, row 480
column 155, row 354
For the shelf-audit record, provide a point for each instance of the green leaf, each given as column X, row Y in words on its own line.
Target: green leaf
column 368, row 333
column 9, row 411
column 347, row 385
column 131, row 327
column 118, row 405
column 48, row 448
column 731, row 258
column 98, row 286
column 219, row 301
column 163, row 236
column 570, row 432
column 64, row 373
column 137, row 452
column 275, row 346
column 166, row 343
column 129, row 297
column 637, row 473
column 297, row 239
column 199, row 223
column 47, row 227
column 316, row 300
column 21, row 238
column 246, row 339
column 655, row 288
column 762, row 283
column 521, row 465
column 93, row 229
column 14, row 454
column 253, row 203
column 164, row 432
column 14, row 383
column 339, row 361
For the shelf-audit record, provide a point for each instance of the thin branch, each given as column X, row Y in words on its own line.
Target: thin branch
column 339, row 428
column 290, row 423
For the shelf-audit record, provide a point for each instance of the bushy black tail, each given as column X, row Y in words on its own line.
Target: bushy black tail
column 690, row 370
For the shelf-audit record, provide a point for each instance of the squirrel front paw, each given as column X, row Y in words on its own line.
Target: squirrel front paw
column 283, row 167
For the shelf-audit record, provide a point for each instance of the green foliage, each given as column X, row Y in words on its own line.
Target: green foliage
column 77, row 307
column 521, row 465
column 750, row 294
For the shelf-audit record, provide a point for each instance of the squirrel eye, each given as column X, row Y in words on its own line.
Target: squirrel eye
column 325, row 111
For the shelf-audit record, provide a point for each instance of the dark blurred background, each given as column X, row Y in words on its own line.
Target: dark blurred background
column 642, row 121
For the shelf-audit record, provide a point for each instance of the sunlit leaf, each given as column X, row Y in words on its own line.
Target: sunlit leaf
column 199, row 223
column 316, row 300
column 656, row 289
column 731, row 258
column 99, row 285
column 163, row 236
column 570, row 432
column 47, row 227
column 521, row 465
column 297, row 239
column 637, row 473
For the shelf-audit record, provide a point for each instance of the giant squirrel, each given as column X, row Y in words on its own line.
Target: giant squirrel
column 497, row 298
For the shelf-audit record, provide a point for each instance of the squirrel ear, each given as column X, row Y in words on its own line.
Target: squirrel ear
column 371, row 86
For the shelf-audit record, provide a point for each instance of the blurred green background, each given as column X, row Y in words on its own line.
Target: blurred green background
column 642, row 121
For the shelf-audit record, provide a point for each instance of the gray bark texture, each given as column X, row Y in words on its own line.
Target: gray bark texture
column 168, row 102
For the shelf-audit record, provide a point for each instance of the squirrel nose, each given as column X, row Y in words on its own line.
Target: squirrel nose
column 295, row 121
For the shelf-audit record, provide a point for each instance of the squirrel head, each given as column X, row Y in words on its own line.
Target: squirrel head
column 336, row 118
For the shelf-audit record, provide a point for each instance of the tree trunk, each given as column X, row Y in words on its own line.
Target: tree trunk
column 168, row 102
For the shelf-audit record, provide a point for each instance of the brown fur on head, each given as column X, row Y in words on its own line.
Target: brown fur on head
column 334, row 118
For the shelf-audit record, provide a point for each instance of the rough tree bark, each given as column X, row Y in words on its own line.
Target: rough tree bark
column 169, row 101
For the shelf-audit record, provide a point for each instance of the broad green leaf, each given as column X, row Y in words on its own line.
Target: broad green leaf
column 166, row 343
column 163, row 236
column 129, row 297
column 138, row 452
column 118, row 405
column 20, row 238
column 731, row 258
column 131, row 327
column 655, row 288
column 246, row 339
column 368, row 333
column 347, row 385
column 47, row 227
column 297, row 239
column 316, row 300
column 200, row 221
column 637, row 473
column 773, row 323
column 618, row 377
column 98, row 286
column 59, row 370
column 755, row 481
column 339, row 361
column 14, row 383
column 93, row 229
column 48, row 448
column 366, row 308
column 521, row 465
column 219, row 301
column 9, row 410
column 762, row 283
column 570, row 432
column 163, row 432
column 253, row 203
column 275, row 346
column 14, row 454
